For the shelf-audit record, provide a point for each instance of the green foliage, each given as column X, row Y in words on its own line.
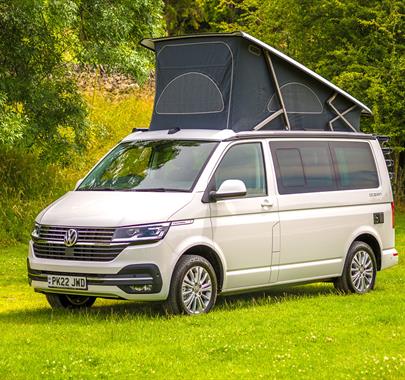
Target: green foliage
column 12, row 123
column 185, row 16
column 41, row 108
column 107, row 33
column 37, row 90
column 28, row 185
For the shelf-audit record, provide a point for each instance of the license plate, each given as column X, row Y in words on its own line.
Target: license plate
column 67, row 282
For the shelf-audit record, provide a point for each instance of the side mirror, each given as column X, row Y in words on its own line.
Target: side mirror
column 231, row 188
column 78, row 183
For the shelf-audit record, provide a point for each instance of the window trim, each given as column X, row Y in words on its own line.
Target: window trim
column 211, row 182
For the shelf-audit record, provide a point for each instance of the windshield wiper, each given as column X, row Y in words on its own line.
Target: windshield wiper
column 161, row 190
column 152, row 189
column 97, row 189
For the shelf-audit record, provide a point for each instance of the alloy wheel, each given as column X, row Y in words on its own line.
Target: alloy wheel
column 362, row 271
column 196, row 290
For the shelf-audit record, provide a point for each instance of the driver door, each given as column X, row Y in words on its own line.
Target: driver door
column 242, row 227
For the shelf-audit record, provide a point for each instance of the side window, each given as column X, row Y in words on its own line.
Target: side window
column 354, row 165
column 243, row 162
column 303, row 167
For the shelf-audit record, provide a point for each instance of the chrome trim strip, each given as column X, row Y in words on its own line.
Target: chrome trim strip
column 79, row 243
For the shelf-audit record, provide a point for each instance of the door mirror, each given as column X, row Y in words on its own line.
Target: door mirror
column 231, row 188
column 78, row 183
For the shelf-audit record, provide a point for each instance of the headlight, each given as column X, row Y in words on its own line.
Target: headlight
column 35, row 231
column 142, row 233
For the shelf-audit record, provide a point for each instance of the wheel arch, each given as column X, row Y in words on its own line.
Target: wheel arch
column 212, row 256
column 373, row 242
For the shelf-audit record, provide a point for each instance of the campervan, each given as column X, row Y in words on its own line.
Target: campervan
column 253, row 173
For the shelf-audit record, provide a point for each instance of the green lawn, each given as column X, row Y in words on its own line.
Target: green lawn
column 301, row 332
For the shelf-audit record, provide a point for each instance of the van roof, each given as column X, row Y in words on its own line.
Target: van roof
column 230, row 135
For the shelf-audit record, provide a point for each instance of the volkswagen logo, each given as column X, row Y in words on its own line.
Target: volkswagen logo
column 70, row 237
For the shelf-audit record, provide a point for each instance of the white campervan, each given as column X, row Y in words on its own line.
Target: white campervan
column 181, row 216
column 253, row 173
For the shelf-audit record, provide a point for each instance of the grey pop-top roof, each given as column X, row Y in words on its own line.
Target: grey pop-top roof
column 235, row 81
column 150, row 44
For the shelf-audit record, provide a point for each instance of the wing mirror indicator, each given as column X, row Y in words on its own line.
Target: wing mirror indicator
column 231, row 188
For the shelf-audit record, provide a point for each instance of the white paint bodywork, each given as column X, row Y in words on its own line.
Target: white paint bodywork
column 260, row 241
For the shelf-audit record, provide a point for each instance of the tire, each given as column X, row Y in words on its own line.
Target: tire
column 194, row 286
column 360, row 270
column 69, row 301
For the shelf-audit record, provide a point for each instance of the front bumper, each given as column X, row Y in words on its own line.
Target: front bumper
column 132, row 279
column 140, row 273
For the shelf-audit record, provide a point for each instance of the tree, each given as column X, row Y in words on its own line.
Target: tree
column 40, row 40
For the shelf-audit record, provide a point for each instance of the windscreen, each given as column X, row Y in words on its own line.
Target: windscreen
column 150, row 166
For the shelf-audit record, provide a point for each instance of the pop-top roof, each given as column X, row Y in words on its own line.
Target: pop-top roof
column 235, row 81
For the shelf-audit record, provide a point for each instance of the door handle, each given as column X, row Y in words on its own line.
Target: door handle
column 267, row 203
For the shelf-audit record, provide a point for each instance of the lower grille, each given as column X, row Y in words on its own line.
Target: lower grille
column 78, row 252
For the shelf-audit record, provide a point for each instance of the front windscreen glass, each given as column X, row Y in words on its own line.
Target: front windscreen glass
column 163, row 165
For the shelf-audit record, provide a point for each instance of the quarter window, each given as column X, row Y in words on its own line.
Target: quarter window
column 243, row 162
column 354, row 165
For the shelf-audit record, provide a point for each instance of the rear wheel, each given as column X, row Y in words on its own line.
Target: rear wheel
column 69, row 301
column 193, row 289
column 360, row 270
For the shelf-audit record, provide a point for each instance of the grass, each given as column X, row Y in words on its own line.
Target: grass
column 308, row 332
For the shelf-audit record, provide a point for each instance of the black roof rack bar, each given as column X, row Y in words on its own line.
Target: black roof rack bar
column 382, row 139
column 139, row 130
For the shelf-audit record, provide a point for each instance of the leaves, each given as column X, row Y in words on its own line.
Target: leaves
column 40, row 41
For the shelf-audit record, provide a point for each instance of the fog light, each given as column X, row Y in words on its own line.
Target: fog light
column 142, row 288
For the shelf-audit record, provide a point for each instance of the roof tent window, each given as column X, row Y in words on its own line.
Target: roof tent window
column 298, row 98
column 194, row 79
column 190, row 93
column 194, row 55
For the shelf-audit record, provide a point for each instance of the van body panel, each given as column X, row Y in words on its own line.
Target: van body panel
column 113, row 208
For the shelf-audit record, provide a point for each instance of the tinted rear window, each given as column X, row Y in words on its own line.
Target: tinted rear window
column 355, row 165
column 303, row 166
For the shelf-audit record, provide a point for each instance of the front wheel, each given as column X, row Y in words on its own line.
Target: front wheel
column 193, row 289
column 69, row 301
column 360, row 270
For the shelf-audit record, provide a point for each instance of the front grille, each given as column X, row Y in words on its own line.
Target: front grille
column 93, row 244
column 78, row 252
column 95, row 235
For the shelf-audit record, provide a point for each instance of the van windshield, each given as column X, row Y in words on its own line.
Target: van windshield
column 163, row 165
